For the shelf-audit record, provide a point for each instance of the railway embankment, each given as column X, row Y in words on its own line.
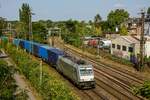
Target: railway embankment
column 9, row 89
column 45, row 82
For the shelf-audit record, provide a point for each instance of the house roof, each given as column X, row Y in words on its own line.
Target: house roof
column 130, row 39
column 146, row 37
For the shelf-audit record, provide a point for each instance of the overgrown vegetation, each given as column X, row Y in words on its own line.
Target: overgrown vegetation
column 147, row 61
column 107, row 55
column 143, row 90
column 72, row 30
column 51, row 87
column 8, row 86
column 3, row 24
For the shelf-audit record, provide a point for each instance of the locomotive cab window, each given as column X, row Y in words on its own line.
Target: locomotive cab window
column 86, row 72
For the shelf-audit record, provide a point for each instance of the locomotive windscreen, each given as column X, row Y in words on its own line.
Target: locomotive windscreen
column 86, row 71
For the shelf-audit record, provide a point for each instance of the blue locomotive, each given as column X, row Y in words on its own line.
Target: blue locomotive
column 78, row 71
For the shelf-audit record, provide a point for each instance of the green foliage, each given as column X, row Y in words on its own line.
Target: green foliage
column 25, row 18
column 71, row 26
column 148, row 10
column 143, row 90
column 97, row 25
column 74, row 31
column 49, row 23
column 39, row 31
column 72, row 39
column 51, row 87
column 4, row 41
column 105, row 26
column 3, row 24
column 123, row 30
column 147, row 61
column 115, row 18
column 7, row 83
column 108, row 56
column 148, row 13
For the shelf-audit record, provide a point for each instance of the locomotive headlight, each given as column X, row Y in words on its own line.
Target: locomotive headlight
column 82, row 79
column 91, row 79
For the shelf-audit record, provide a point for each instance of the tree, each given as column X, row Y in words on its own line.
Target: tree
column 39, row 31
column 97, row 26
column 20, row 29
column 123, row 30
column 148, row 12
column 105, row 26
column 24, row 16
column 71, row 26
column 49, row 23
column 3, row 24
column 115, row 18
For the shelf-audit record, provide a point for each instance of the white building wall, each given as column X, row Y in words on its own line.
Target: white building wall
column 137, row 49
column 147, row 49
column 147, row 28
column 121, row 53
column 126, row 54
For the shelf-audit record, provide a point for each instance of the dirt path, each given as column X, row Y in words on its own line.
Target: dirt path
column 23, row 83
column 20, row 81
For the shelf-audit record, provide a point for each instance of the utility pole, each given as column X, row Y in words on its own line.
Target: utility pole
column 30, row 26
column 52, row 34
column 41, row 72
column 142, row 41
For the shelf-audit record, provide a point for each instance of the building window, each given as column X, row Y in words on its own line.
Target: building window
column 113, row 45
column 130, row 49
column 124, row 48
column 118, row 47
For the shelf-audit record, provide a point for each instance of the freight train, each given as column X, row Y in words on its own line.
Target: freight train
column 80, row 72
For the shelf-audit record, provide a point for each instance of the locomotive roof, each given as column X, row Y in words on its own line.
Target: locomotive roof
column 76, row 60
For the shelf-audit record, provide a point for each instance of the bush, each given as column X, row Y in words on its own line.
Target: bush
column 72, row 39
column 143, row 90
column 7, row 83
column 51, row 88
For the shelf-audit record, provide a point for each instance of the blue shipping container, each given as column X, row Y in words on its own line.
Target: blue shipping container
column 53, row 55
column 28, row 46
column 43, row 52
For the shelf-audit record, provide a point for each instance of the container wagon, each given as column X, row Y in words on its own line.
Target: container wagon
column 77, row 70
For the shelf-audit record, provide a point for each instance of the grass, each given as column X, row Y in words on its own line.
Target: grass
column 51, row 87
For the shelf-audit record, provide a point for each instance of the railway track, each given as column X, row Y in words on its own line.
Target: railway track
column 98, row 64
column 112, row 83
column 115, row 81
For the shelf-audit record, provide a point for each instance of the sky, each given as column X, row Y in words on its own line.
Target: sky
column 58, row 10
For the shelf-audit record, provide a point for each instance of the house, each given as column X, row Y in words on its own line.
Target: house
column 111, row 36
column 147, row 28
column 126, row 46
column 134, row 26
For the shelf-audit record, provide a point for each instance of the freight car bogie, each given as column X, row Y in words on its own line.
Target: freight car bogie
column 86, row 85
